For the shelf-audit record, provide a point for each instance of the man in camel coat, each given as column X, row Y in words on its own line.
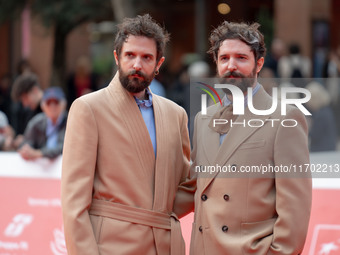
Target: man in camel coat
column 238, row 212
column 126, row 152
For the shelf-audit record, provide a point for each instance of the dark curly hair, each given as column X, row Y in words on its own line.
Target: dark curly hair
column 142, row 25
column 247, row 33
column 23, row 85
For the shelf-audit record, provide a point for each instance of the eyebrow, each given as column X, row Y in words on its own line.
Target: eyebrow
column 149, row 54
column 242, row 54
column 134, row 53
column 129, row 52
column 238, row 54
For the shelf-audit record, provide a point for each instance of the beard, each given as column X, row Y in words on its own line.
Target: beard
column 134, row 84
column 241, row 81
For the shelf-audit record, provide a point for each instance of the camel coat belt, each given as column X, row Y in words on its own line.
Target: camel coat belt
column 144, row 217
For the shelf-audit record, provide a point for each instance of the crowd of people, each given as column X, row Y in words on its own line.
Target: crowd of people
column 33, row 119
column 288, row 67
column 285, row 66
column 43, row 118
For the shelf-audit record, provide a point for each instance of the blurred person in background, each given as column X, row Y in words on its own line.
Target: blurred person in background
column 6, row 134
column 322, row 130
column 267, row 80
column 277, row 50
column 332, row 73
column 196, row 70
column 180, row 92
column 295, row 68
column 26, row 90
column 126, row 152
column 5, row 95
column 82, row 80
column 178, row 89
column 44, row 135
column 24, row 67
column 20, row 114
column 331, row 68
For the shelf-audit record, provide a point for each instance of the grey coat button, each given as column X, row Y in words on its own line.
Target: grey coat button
column 226, row 197
column 225, row 228
column 200, row 229
column 204, row 197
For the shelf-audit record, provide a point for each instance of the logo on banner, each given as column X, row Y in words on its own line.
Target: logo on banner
column 326, row 240
column 328, row 248
column 58, row 245
column 18, row 224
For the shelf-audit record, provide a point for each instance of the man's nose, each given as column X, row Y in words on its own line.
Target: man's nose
column 232, row 65
column 137, row 64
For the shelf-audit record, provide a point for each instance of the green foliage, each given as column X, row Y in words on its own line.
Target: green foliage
column 10, row 9
column 103, row 65
column 66, row 14
column 265, row 19
column 69, row 13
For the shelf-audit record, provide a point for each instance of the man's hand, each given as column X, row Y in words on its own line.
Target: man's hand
column 28, row 153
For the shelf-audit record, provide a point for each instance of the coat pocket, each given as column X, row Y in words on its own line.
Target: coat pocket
column 258, row 236
column 252, row 144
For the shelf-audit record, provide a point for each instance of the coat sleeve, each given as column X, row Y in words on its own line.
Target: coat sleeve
column 184, row 201
column 32, row 132
column 293, row 191
column 78, row 168
column 52, row 152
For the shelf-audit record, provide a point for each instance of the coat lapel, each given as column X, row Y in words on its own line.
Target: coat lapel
column 162, row 173
column 161, row 169
column 135, row 125
column 238, row 134
column 211, row 139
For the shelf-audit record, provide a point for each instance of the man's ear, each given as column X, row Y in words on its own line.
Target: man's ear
column 116, row 56
column 160, row 62
column 259, row 65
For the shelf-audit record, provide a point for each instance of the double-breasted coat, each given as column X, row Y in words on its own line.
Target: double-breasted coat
column 243, row 213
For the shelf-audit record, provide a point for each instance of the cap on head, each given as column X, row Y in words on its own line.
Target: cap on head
column 53, row 93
